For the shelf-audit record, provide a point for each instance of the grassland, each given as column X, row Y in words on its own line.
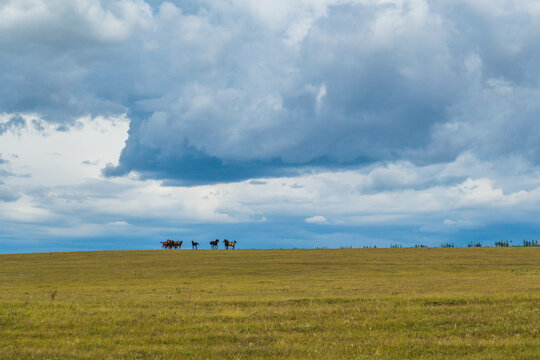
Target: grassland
column 477, row 303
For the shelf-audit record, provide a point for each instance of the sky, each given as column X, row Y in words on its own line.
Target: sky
column 275, row 123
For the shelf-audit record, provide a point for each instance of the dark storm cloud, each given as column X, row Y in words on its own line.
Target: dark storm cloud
column 226, row 90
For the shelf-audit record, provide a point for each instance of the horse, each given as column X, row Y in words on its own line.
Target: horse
column 194, row 245
column 229, row 243
column 214, row 244
column 167, row 244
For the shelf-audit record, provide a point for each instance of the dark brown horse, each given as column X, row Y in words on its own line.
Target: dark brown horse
column 194, row 245
column 229, row 243
column 214, row 244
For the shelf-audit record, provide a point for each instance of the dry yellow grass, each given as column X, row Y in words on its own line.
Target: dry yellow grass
column 456, row 303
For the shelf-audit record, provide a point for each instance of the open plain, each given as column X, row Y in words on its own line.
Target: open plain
column 409, row 303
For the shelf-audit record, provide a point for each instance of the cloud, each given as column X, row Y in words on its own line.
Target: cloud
column 56, row 157
column 119, row 223
column 265, row 122
column 318, row 219
column 39, row 22
column 7, row 194
column 230, row 90
column 440, row 199
column 44, row 163
column 11, row 123
column 368, row 113
column 54, row 55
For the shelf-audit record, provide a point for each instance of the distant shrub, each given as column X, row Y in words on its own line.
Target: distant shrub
column 528, row 243
column 447, row 245
column 472, row 244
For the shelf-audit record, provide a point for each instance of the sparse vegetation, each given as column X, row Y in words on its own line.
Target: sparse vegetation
column 420, row 246
column 261, row 304
column 474, row 244
column 502, row 243
column 396, row 246
column 528, row 243
column 447, row 245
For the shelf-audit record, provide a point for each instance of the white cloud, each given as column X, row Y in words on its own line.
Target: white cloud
column 49, row 154
column 118, row 223
column 318, row 219
column 74, row 20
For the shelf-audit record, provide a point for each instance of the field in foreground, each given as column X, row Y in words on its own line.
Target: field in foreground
column 472, row 303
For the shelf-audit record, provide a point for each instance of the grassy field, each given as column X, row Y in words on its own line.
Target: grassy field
column 457, row 303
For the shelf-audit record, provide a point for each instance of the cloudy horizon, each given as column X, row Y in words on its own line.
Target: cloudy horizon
column 279, row 124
